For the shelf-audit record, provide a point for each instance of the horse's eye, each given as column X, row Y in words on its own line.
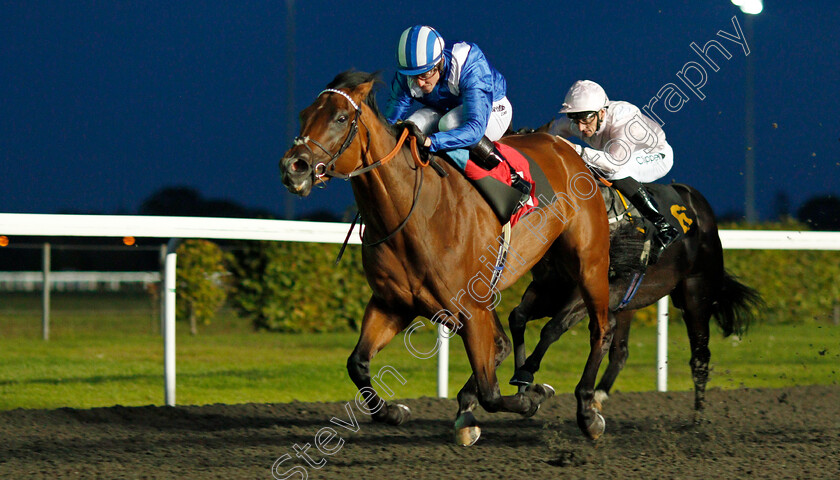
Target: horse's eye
column 341, row 119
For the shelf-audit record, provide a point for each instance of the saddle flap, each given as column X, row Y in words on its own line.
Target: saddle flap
column 495, row 184
column 670, row 203
column 672, row 206
column 502, row 198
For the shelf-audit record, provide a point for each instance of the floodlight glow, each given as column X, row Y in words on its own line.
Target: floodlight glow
column 752, row 7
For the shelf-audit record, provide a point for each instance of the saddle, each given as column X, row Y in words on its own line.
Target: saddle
column 495, row 185
column 631, row 233
column 619, row 209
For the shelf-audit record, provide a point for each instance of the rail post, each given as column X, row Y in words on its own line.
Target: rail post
column 45, row 295
column 443, row 361
column 662, row 345
column 169, row 323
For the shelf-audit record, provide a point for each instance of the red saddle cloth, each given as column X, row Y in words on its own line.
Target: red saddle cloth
column 502, row 174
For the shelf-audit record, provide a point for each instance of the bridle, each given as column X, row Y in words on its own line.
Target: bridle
column 323, row 169
column 327, row 169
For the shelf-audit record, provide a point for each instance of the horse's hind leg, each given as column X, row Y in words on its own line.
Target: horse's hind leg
column 594, row 296
column 618, row 355
column 379, row 327
column 692, row 297
column 594, row 288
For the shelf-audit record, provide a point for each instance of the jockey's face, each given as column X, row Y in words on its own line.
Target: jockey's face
column 589, row 125
column 427, row 81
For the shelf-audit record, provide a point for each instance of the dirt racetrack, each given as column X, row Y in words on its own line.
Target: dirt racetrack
column 766, row 433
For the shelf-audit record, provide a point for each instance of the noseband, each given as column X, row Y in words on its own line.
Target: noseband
column 323, row 169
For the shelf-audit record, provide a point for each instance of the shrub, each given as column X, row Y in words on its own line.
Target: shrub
column 294, row 287
column 799, row 286
column 201, row 279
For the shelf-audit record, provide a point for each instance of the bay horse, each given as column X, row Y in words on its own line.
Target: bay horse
column 425, row 243
column 691, row 271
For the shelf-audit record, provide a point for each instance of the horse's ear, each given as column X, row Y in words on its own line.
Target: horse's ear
column 363, row 90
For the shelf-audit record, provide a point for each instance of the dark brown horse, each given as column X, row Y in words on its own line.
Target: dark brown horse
column 425, row 243
column 691, row 271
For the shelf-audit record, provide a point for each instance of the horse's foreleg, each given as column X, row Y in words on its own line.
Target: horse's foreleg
column 536, row 302
column 517, row 320
column 559, row 324
column 618, row 356
column 487, row 346
column 547, row 293
column 379, row 327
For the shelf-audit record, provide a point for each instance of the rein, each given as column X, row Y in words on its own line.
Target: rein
column 402, row 224
column 387, row 237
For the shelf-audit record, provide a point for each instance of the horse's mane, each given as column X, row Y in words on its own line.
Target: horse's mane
column 351, row 79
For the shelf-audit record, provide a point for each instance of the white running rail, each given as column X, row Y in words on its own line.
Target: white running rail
column 322, row 232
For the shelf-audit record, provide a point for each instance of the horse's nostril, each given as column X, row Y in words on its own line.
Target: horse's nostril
column 298, row 165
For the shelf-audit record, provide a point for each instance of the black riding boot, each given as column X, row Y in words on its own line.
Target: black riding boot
column 666, row 233
column 486, row 156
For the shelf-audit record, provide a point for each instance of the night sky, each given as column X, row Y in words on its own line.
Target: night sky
column 104, row 103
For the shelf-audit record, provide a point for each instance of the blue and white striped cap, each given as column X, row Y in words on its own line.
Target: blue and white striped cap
column 419, row 50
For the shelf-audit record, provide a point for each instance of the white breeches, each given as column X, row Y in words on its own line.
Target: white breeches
column 430, row 120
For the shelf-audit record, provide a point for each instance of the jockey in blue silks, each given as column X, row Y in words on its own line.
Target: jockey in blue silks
column 464, row 98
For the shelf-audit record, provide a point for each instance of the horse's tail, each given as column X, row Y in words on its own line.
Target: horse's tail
column 736, row 306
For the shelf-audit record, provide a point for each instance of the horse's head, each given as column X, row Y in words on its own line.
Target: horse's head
column 328, row 145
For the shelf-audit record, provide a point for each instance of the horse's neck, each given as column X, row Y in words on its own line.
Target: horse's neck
column 385, row 194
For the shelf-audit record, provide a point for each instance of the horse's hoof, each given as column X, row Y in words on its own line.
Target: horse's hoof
column 700, row 418
column 466, row 429
column 522, row 377
column 403, row 415
column 549, row 391
column 535, row 407
column 544, row 391
column 467, row 436
column 599, row 399
column 397, row 414
column 596, row 428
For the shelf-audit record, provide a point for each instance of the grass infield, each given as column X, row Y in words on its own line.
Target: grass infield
column 106, row 349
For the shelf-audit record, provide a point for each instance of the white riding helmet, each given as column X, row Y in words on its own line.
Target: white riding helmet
column 584, row 96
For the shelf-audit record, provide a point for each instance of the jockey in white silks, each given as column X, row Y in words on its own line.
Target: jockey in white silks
column 624, row 145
